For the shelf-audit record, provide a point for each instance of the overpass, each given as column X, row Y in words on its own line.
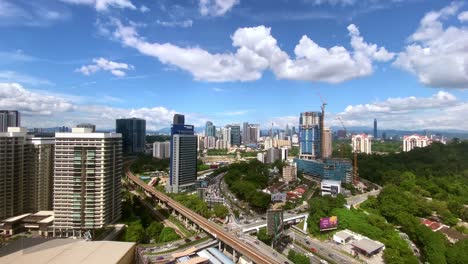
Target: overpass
column 287, row 218
column 211, row 228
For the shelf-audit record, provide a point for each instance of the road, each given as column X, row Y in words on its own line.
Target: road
column 203, row 223
column 360, row 198
column 323, row 249
column 262, row 247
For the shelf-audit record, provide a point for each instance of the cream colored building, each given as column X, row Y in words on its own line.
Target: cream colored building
column 362, row 143
column 328, row 143
column 87, row 174
column 289, row 173
column 25, row 173
column 415, row 141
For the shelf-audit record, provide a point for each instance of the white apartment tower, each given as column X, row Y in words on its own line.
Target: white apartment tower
column 415, row 141
column 162, row 150
column 362, row 143
column 87, row 174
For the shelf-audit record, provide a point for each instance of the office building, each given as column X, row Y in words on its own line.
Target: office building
column 133, row 131
column 8, row 119
column 183, row 168
column 375, row 128
column 309, row 135
column 210, row 129
column 361, row 143
column 162, row 150
column 245, row 133
column 327, row 169
column 178, row 119
column 330, row 187
column 415, row 141
column 289, row 174
column 235, row 135
column 25, row 173
column 87, row 181
column 87, row 125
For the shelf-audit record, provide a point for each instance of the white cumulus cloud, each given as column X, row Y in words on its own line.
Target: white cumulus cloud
column 116, row 68
column 216, row 7
column 438, row 55
column 257, row 51
column 15, row 96
column 103, row 5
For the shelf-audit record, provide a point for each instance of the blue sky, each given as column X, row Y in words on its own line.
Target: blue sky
column 405, row 63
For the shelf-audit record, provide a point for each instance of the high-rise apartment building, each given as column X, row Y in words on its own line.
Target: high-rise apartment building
column 183, row 168
column 289, row 173
column 210, row 129
column 254, row 133
column 87, row 175
column 328, row 143
column 309, row 135
column 133, row 131
column 235, row 135
column 25, row 172
column 226, row 132
column 210, row 142
column 9, row 118
column 362, row 143
column 415, row 141
column 162, row 150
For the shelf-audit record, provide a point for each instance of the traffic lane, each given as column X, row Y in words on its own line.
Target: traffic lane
column 313, row 258
column 323, row 250
column 253, row 242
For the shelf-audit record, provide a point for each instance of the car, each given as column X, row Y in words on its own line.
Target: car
column 160, row 258
column 330, row 255
column 256, row 242
column 307, row 242
column 197, row 237
column 286, row 262
column 323, row 261
column 187, row 240
column 313, row 250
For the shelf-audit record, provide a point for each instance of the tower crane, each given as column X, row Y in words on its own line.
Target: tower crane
column 355, row 162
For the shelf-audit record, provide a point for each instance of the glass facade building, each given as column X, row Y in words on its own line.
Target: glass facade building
column 327, row 169
column 133, row 132
column 309, row 135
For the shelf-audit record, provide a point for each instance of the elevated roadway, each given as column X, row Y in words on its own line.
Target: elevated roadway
column 235, row 243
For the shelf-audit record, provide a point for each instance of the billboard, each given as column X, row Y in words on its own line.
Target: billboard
column 328, row 223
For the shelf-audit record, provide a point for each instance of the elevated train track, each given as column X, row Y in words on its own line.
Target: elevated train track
column 211, row 228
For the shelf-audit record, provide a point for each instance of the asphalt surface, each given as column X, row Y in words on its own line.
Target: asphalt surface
column 323, row 249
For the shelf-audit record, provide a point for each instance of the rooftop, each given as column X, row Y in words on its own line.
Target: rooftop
column 368, row 245
column 70, row 251
column 345, row 235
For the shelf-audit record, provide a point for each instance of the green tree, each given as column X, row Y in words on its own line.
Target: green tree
column 458, row 253
column 263, row 236
column 154, row 230
column 298, row 258
column 220, row 210
column 135, row 232
column 168, row 234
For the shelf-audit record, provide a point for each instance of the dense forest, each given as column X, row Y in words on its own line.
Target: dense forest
column 425, row 182
column 246, row 179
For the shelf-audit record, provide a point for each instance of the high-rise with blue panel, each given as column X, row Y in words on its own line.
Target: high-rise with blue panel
column 309, row 135
column 183, row 167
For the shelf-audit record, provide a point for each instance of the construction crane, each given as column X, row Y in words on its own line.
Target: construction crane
column 355, row 163
column 322, row 125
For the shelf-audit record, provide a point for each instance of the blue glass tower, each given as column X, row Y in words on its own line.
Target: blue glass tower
column 309, row 135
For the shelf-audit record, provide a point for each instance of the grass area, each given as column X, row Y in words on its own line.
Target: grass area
column 181, row 227
column 301, row 224
column 185, row 245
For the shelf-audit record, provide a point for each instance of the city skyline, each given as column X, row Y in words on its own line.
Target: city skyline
column 202, row 59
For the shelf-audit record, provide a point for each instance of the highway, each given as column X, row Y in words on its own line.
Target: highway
column 203, row 223
column 323, row 249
